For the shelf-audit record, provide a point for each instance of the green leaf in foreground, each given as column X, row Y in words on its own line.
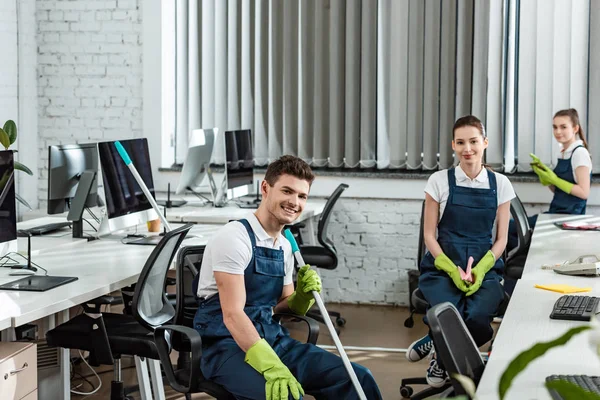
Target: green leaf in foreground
column 4, row 139
column 11, row 130
column 522, row 360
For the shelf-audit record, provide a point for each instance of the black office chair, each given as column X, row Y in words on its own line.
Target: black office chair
column 514, row 261
column 107, row 336
column 454, row 345
column 325, row 255
column 419, row 305
column 187, row 377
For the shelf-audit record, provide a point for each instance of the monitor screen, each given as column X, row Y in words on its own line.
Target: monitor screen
column 239, row 158
column 197, row 158
column 66, row 164
column 8, row 213
column 123, row 194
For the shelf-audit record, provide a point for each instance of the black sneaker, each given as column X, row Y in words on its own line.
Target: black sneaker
column 419, row 349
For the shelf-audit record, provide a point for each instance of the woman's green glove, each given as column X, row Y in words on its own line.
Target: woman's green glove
column 280, row 381
column 483, row 266
column 443, row 263
column 549, row 176
column 540, row 173
column 302, row 299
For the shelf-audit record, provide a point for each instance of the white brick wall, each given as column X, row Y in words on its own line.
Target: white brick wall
column 90, row 74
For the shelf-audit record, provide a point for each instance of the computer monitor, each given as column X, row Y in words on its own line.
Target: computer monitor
column 197, row 159
column 8, row 213
column 239, row 159
column 66, row 165
column 126, row 203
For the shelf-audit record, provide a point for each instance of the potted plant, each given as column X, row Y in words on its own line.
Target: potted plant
column 8, row 135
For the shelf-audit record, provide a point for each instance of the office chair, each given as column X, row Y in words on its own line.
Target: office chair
column 515, row 259
column 325, row 255
column 107, row 336
column 454, row 345
column 419, row 305
column 187, row 378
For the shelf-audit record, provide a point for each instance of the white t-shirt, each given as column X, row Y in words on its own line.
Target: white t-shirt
column 581, row 158
column 437, row 185
column 230, row 250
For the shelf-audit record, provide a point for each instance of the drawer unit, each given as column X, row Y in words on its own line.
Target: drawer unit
column 18, row 370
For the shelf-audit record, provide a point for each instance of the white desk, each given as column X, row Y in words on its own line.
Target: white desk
column 527, row 321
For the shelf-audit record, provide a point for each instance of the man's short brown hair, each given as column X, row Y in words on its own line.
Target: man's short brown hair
column 289, row 165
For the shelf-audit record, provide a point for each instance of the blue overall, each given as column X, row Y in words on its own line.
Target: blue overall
column 321, row 373
column 464, row 231
column 562, row 203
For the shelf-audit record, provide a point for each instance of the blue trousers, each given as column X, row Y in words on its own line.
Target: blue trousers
column 477, row 310
column 321, row 373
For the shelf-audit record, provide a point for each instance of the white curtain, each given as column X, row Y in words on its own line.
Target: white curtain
column 365, row 83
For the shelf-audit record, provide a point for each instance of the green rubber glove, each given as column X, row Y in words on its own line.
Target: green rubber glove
column 536, row 163
column 549, row 176
column 302, row 299
column 443, row 263
column 280, row 381
column 482, row 268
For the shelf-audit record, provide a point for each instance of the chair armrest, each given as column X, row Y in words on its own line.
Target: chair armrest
column 164, row 350
column 313, row 326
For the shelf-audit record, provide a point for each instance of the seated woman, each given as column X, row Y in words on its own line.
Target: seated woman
column 571, row 178
column 466, row 205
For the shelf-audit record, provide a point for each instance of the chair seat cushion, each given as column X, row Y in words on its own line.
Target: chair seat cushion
column 319, row 257
column 125, row 335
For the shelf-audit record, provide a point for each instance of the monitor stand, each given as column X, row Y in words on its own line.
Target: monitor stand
column 170, row 203
column 219, row 194
column 77, row 207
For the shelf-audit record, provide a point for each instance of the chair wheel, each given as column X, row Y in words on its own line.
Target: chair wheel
column 340, row 321
column 406, row 392
column 409, row 322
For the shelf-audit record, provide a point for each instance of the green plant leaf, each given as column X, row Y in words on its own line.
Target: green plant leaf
column 571, row 391
column 11, row 129
column 23, row 201
column 467, row 384
column 4, row 139
column 23, row 168
column 539, row 349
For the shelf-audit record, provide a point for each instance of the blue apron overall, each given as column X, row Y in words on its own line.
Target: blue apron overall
column 321, row 373
column 564, row 203
column 464, row 231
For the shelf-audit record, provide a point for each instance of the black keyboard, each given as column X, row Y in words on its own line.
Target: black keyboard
column 43, row 229
column 575, row 308
column 589, row 383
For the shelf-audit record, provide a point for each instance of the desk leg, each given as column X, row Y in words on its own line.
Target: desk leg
column 308, row 232
column 141, row 369
column 8, row 335
column 156, row 377
column 64, row 357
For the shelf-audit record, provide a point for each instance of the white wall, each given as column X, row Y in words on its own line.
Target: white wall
column 90, row 74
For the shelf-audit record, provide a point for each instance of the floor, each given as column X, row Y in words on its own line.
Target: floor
column 366, row 326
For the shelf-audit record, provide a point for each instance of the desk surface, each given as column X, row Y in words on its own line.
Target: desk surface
column 222, row 215
column 527, row 321
column 102, row 266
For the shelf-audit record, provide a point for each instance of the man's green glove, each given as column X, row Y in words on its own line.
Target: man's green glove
column 443, row 263
column 549, row 176
column 302, row 299
column 280, row 381
column 482, row 268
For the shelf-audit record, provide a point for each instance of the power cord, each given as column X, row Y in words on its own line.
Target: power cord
column 5, row 261
column 94, row 372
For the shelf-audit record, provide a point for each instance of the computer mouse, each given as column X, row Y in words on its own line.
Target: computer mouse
column 24, row 272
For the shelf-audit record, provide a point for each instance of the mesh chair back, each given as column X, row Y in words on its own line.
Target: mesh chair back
column 421, row 249
column 324, row 218
column 517, row 210
column 189, row 262
column 150, row 306
column 454, row 344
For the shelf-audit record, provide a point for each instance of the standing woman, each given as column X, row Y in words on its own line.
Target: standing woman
column 570, row 181
column 468, row 206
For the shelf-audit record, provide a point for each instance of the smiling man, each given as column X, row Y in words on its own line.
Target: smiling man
column 246, row 274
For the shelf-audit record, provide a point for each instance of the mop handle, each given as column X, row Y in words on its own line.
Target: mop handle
column 140, row 181
column 332, row 332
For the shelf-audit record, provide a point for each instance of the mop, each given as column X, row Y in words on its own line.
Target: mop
column 140, row 181
column 325, row 314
